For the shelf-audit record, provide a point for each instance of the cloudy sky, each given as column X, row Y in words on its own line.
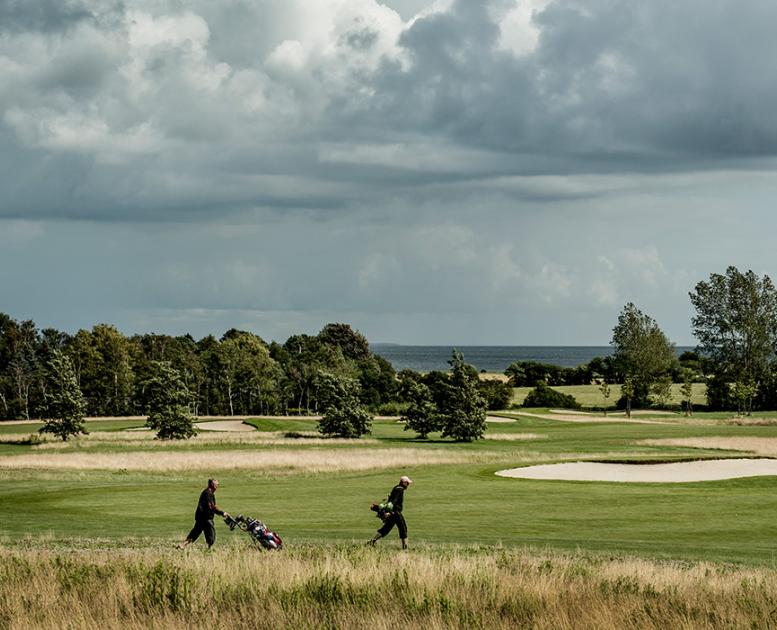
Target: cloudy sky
column 450, row 171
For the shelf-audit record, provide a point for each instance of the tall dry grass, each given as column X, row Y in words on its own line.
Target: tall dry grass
column 766, row 446
column 363, row 588
column 309, row 460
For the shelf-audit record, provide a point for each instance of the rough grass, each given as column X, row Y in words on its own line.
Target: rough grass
column 514, row 437
column 275, row 460
column 755, row 445
column 315, row 587
column 147, row 440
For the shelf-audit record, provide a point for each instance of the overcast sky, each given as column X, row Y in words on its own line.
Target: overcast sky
column 450, row 172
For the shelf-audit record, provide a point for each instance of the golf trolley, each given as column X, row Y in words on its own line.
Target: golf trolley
column 260, row 535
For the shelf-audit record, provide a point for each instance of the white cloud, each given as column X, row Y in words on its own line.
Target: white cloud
column 518, row 32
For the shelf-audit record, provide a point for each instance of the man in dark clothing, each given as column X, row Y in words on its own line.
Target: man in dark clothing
column 203, row 516
column 395, row 517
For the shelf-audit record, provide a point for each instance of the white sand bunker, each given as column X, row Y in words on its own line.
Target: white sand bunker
column 225, row 425
column 680, row 472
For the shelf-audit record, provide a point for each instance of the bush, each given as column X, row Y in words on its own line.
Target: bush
column 496, row 394
column 391, row 409
column 544, row 396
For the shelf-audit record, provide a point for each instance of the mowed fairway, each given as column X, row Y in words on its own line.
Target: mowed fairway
column 456, row 499
column 591, row 395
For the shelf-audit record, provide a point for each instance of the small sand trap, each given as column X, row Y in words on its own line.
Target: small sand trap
column 681, row 472
column 225, row 425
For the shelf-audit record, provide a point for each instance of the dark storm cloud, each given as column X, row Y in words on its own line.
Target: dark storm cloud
column 607, row 78
column 41, row 15
column 156, row 110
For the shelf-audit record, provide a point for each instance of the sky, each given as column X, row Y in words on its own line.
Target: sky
column 507, row 172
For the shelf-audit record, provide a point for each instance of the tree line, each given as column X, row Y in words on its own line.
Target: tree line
column 236, row 374
column 735, row 324
column 101, row 372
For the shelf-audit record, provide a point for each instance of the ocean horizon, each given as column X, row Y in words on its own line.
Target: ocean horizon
column 489, row 358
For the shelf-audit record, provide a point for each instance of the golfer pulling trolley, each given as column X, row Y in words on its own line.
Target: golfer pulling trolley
column 203, row 516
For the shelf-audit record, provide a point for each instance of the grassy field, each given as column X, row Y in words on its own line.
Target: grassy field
column 339, row 587
column 591, row 395
column 123, row 495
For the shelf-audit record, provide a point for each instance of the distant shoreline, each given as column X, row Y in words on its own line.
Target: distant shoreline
column 489, row 358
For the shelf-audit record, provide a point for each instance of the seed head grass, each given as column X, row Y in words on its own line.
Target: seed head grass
column 266, row 459
column 356, row 587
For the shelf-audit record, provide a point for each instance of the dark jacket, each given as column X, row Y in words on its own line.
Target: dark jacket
column 397, row 496
column 206, row 506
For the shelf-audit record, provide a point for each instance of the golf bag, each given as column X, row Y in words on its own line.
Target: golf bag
column 382, row 510
column 260, row 535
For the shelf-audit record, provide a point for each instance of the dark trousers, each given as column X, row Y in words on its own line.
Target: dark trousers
column 397, row 519
column 203, row 527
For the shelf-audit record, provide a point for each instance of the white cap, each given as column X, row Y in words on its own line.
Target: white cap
column 405, row 479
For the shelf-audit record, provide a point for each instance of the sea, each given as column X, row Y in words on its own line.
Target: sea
column 489, row 358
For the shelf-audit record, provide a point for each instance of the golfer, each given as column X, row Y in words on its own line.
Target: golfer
column 203, row 516
column 396, row 497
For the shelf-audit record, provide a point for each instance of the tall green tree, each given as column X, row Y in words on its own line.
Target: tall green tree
column 736, row 326
column 464, row 409
column 66, row 404
column 24, row 368
column 249, row 375
column 344, row 416
column 605, row 391
column 104, row 369
column 421, row 415
column 168, row 403
column 643, row 354
column 351, row 342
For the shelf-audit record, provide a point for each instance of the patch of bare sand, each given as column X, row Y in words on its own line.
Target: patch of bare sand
column 225, row 425
column 498, row 420
column 766, row 446
column 680, row 472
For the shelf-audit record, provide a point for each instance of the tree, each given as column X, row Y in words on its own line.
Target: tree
column 103, row 363
column 351, row 342
column 643, row 355
column 604, row 388
column 686, row 389
column 168, row 403
column 344, row 416
column 23, row 367
column 248, row 374
column 66, row 404
column 421, row 415
column 496, row 393
column 464, row 410
column 736, row 326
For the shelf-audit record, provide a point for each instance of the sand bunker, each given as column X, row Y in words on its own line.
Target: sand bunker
column 681, row 472
column 225, row 425
column 498, row 420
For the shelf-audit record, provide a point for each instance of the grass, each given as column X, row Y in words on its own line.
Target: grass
column 107, row 508
column 339, row 587
column 591, row 395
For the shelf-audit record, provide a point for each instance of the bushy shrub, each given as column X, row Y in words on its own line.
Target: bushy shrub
column 496, row 394
column 544, row 396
